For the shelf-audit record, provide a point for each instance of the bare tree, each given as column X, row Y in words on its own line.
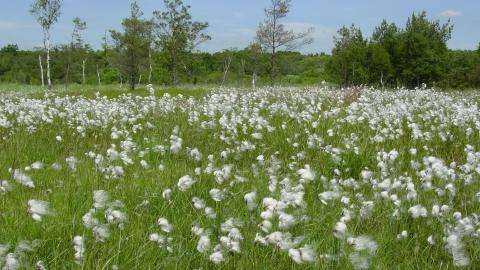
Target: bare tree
column 77, row 47
column 226, row 65
column 272, row 35
column 46, row 12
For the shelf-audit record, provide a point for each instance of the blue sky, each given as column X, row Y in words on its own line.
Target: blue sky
column 233, row 22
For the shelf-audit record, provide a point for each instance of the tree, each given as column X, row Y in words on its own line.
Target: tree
column 378, row 62
column 177, row 34
column 132, row 46
column 386, row 38
column 46, row 12
column 423, row 50
column 272, row 35
column 348, row 63
column 77, row 48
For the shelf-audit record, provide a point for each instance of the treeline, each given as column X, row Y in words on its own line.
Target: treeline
column 410, row 56
column 18, row 66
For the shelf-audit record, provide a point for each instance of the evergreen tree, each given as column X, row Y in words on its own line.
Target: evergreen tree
column 132, row 46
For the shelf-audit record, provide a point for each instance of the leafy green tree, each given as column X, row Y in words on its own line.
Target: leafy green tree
column 423, row 50
column 460, row 66
column 378, row 64
column 348, row 64
column 386, row 35
column 132, row 46
column 7, row 57
column 177, row 34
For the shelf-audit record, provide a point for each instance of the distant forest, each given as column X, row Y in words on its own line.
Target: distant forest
column 142, row 53
column 17, row 66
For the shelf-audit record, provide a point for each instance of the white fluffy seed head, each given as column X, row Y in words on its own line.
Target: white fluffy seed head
column 165, row 225
column 340, row 230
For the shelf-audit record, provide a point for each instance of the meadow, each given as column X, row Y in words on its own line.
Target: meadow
column 271, row 178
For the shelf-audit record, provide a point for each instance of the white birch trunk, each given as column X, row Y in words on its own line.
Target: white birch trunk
column 151, row 68
column 84, row 61
column 47, row 45
column 41, row 70
column 98, row 76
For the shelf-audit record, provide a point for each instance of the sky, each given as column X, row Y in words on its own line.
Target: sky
column 232, row 23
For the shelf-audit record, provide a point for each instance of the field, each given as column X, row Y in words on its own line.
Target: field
column 273, row 178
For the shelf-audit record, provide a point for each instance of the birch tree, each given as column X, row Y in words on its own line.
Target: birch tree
column 272, row 35
column 46, row 12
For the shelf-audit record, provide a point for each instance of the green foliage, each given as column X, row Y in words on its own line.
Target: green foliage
column 348, row 65
column 411, row 56
column 423, row 50
column 132, row 46
column 177, row 35
column 200, row 67
column 391, row 57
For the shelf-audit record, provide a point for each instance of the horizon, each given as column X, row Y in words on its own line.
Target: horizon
column 229, row 26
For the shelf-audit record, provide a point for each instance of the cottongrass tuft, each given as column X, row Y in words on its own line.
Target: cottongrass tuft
column 79, row 247
column 185, row 183
column 38, row 209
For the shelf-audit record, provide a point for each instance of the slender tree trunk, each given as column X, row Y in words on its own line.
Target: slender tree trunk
column 353, row 75
column 226, row 67
column 188, row 71
column 254, row 80
column 47, row 49
column 150, row 71
column 381, row 80
column 174, row 74
column 272, row 63
column 41, row 70
column 140, row 79
column 84, row 61
column 274, row 44
column 67, row 75
column 98, row 76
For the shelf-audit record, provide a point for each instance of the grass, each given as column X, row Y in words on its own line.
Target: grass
column 69, row 192
column 90, row 91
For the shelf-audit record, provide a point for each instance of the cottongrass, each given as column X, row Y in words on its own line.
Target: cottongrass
column 260, row 177
column 79, row 247
column 38, row 209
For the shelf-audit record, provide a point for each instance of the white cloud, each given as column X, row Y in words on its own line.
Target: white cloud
column 450, row 13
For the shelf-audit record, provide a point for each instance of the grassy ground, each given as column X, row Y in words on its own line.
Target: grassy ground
column 91, row 91
column 216, row 122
